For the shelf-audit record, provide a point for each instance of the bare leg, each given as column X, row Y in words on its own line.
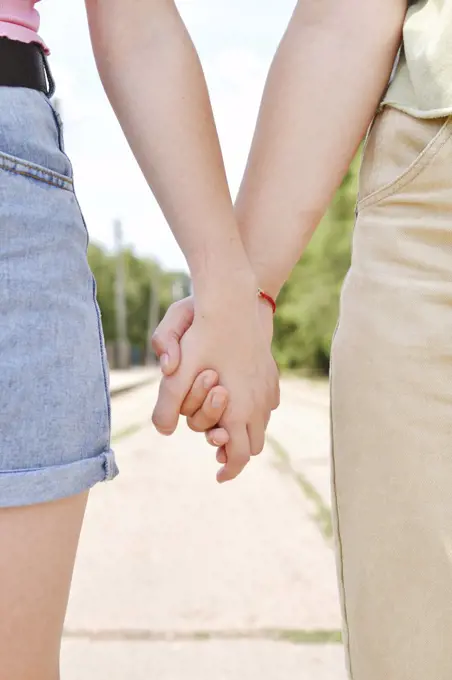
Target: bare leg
column 38, row 545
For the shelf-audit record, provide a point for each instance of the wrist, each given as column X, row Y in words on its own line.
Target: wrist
column 226, row 295
column 267, row 298
column 228, row 283
column 266, row 317
column 220, row 254
column 267, row 275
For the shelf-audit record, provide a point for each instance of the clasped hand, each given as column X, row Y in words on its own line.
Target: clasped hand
column 218, row 372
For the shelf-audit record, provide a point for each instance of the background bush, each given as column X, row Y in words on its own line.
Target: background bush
column 308, row 303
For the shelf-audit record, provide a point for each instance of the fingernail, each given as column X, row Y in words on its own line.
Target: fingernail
column 208, row 382
column 218, row 401
column 164, row 360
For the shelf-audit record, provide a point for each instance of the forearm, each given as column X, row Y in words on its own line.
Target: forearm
column 321, row 94
column 153, row 78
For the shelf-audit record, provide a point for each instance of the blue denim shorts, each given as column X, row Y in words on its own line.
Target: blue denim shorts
column 54, row 395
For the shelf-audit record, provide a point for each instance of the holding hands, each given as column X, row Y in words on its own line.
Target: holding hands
column 215, row 354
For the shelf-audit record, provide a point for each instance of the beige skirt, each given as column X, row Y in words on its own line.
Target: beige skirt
column 392, row 408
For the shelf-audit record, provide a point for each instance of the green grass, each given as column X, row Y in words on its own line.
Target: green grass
column 321, row 513
column 293, row 636
column 310, row 637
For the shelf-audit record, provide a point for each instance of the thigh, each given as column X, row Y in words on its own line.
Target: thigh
column 392, row 428
column 38, row 546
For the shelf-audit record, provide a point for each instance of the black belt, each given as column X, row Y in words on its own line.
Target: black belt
column 25, row 65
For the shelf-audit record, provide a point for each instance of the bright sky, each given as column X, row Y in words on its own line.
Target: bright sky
column 236, row 40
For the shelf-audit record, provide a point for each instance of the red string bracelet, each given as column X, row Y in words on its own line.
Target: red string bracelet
column 268, row 298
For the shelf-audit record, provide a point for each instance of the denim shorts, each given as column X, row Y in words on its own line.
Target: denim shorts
column 54, row 394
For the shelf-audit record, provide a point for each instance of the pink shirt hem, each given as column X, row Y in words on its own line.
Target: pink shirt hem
column 21, row 33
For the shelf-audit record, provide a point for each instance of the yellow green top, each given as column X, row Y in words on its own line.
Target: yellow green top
column 422, row 85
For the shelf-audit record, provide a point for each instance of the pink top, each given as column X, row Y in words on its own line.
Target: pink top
column 19, row 20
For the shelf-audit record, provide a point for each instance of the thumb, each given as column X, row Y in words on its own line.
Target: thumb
column 167, row 337
column 170, row 355
column 172, row 392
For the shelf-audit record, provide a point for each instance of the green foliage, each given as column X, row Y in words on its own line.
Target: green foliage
column 309, row 302
column 139, row 273
column 103, row 268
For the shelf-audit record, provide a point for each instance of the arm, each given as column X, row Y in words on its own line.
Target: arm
column 322, row 92
column 153, row 78
column 154, row 81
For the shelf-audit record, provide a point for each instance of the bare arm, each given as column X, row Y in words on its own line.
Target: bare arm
column 153, row 78
column 322, row 91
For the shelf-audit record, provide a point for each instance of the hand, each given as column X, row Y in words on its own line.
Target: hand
column 231, row 340
column 206, row 402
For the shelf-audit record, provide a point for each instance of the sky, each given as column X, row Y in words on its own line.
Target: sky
column 236, row 40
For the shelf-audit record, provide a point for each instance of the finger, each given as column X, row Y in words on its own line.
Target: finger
column 170, row 360
column 256, row 434
column 172, row 392
column 217, row 437
column 237, row 452
column 199, row 392
column 221, row 456
column 167, row 349
column 211, row 412
column 166, row 339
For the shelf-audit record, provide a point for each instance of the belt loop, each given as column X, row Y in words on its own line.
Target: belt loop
column 50, row 81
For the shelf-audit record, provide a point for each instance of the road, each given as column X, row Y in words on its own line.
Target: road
column 181, row 579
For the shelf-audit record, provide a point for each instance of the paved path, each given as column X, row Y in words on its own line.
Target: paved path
column 302, row 428
column 179, row 578
column 123, row 381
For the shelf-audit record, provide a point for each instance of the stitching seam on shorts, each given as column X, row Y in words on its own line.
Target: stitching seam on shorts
column 414, row 170
column 34, row 166
column 57, row 182
column 102, row 354
column 13, row 160
column 22, row 471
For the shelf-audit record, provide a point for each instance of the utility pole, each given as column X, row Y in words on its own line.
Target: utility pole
column 177, row 290
column 56, row 103
column 122, row 344
column 154, row 313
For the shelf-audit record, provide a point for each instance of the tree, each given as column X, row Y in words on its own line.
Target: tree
column 309, row 302
column 139, row 272
column 103, row 267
